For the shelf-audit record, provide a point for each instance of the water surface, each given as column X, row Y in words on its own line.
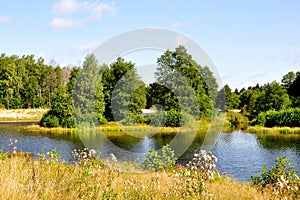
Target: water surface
column 239, row 154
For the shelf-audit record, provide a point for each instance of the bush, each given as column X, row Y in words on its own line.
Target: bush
column 289, row 117
column 157, row 161
column 68, row 122
column 281, row 178
column 173, row 118
column 237, row 120
column 49, row 120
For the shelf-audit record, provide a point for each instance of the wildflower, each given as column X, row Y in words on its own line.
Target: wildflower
column 113, row 157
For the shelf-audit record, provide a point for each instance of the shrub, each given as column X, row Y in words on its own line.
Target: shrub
column 157, row 161
column 174, row 118
column 68, row 122
column 49, row 120
column 237, row 120
column 289, row 117
column 281, row 178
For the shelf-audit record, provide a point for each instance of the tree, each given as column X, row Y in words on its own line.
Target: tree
column 189, row 86
column 124, row 92
column 273, row 97
column 61, row 110
column 293, row 90
column 7, row 78
column 231, row 98
column 88, row 100
column 288, row 79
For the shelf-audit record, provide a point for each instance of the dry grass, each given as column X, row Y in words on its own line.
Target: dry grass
column 24, row 178
column 22, row 114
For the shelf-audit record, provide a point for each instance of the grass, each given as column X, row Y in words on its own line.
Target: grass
column 24, row 178
column 139, row 130
column 273, row 130
column 22, row 114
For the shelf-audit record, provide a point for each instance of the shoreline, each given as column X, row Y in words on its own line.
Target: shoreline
column 34, row 116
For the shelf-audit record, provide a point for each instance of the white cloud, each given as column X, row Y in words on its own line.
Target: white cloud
column 63, row 23
column 5, row 19
column 85, row 47
column 176, row 25
column 65, row 7
column 78, row 13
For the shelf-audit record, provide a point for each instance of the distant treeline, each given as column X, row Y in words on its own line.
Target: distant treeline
column 26, row 82
column 272, row 96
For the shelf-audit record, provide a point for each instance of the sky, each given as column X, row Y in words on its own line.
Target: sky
column 249, row 42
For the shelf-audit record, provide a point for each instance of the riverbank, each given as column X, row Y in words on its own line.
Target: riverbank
column 22, row 114
column 15, row 115
column 273, row 130
column 23, row 178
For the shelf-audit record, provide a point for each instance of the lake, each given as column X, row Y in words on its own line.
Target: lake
column 239, row 154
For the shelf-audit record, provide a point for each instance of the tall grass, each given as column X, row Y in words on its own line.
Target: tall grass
column 24, row 178
column 273, row 130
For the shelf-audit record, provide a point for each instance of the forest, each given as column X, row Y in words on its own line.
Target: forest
column 96, row 94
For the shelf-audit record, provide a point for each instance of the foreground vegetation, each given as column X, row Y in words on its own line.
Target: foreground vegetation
column 21, row 177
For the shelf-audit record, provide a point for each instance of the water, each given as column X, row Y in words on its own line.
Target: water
column 239, row 154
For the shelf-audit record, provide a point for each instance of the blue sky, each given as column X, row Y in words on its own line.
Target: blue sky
column 248, row 41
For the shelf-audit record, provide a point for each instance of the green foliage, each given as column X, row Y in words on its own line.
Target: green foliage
column 232, row 100
column 123, row 91
column 157, row 161
column 88, row 99
column 26, row 82
column 289, row 117
column 3, row 155
column 49, row 120
column 61, row 110
column 237, row 120
column 53, row 154
column 281, row 177
column 273, row 96
column 174, row 118
column 182, row 84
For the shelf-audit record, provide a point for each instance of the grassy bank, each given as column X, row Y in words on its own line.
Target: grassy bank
column 114, row 127
column 24, row 178
column 22, row 114
column 273, row 130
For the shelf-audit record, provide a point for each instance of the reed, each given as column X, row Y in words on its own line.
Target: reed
column 273, row 130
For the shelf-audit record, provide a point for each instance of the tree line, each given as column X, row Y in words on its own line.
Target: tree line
column 97, row 94
column 272, row 96
column 94, row 94
column 26, row 82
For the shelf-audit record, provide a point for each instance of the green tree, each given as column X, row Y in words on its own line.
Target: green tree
column 293, row 90
column 88, row 98
column 61, row 110
column 7, row 79
column 288, row 79
column 124, row 92
column 185, row 79
column 273, row 97
column 231, row 98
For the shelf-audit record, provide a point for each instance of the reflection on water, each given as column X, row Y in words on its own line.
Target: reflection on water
column 239, row 154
